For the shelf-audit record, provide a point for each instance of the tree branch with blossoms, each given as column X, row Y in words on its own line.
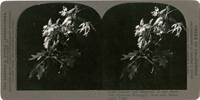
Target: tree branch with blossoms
column 151, row 42
column 59, row 44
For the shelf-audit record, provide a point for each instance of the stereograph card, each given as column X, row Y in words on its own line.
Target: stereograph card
column 100, row 50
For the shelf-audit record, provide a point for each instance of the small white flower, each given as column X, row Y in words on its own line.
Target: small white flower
column 64, row 11
column 155, row 12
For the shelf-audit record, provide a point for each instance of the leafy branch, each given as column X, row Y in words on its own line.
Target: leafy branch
column 151, row 42
column 59, row 42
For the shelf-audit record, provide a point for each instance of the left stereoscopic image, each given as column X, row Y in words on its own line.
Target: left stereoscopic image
column 58, row 48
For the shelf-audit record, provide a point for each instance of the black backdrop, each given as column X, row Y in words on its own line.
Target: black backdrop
column 99, row 67
column 118, row 38
column 87, row 71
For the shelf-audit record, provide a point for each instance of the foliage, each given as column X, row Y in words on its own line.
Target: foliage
column 152, row 40
column 60, row 45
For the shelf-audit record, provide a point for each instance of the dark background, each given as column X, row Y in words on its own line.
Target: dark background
column 87, row 70
column 118, row 38
column 99, row 67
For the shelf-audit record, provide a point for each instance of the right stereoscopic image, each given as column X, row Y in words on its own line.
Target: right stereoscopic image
column 134, row 46
column 144, row 47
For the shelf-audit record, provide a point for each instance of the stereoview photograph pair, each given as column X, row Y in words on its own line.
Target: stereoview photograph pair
column 113, row 48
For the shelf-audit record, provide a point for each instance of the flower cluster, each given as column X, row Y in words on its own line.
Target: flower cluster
column 143, row 31
column 162, row 25
column 151, row 39
column 58, row 42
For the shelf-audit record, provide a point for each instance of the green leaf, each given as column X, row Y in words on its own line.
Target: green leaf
column 40, row 71
column 177, row 27
column 162, row 62
column 141, row 42
column 132, row 70
column 38, row 55
column 161, row 57
column 74, row 52
column 70, row 62
column 85, row 27
column 163, row 53
column 32, row 73
column 70, row 59
column 130, row 55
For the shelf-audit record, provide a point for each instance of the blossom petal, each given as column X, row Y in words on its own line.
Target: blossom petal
column 64, row 8
column 142, row 22
column 50, row 22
